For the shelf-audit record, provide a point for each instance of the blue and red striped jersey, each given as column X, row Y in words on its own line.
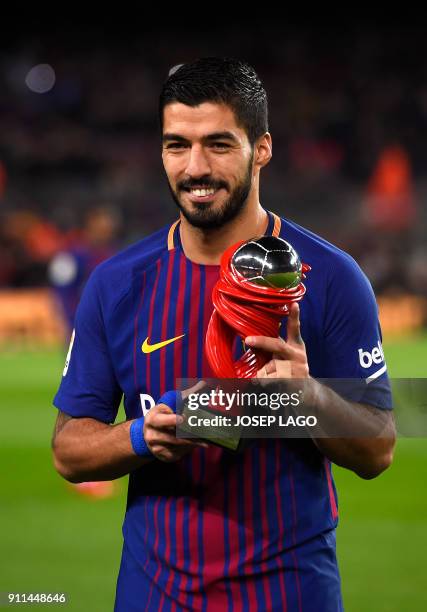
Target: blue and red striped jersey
column 217, row 528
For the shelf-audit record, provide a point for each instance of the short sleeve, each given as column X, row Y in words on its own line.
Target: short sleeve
column 89, row 387
column 352, row 337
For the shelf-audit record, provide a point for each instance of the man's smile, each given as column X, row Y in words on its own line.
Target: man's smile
column 202, row 194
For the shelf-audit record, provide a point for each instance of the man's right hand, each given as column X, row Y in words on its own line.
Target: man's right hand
column 159, row 432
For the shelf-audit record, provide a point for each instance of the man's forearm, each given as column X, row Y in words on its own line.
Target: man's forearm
column 355, row 436
column 87, row 450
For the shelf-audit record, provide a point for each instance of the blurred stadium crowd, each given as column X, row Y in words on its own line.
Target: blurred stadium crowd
column 80, row 165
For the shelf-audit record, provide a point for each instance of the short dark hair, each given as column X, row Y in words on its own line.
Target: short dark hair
column 224, row 80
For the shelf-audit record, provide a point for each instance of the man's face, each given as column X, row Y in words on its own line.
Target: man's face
column 208, row 162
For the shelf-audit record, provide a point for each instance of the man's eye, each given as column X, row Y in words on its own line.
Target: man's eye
column 175, row 145
column 220, row 145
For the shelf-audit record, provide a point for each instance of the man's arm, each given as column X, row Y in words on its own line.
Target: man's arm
column 367, row 455
column 85, row 449
column 370, row 451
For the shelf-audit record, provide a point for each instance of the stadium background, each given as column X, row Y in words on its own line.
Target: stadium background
column 81, row 176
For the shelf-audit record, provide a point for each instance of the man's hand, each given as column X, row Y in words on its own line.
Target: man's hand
column 86, row 449
column 289, row 358
column 159, row 432
column 370, row 451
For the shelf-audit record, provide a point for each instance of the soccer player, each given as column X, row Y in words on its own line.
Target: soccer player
column 205, row 528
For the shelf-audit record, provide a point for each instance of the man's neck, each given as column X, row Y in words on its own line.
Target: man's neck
column 207, row 246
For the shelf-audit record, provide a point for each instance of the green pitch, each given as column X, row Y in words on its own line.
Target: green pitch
column 53, row 540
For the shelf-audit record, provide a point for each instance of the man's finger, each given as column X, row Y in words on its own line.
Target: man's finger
column 267, row 370
column 293, row 325
column 276, row 368
column 270, row 367
column 271, row 345
column 197, row 388
column 162, row 419
column 169, row 440
column 162, row 408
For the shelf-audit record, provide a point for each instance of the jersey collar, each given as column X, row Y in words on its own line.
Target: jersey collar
column 174, row 238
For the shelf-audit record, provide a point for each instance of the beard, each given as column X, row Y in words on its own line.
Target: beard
column 204, row 215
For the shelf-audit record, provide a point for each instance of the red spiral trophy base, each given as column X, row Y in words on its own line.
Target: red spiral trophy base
column 245, row 306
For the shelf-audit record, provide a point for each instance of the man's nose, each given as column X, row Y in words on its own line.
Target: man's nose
column 198, row 163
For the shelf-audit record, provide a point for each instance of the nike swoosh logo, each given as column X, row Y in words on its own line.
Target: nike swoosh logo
column 149, row 348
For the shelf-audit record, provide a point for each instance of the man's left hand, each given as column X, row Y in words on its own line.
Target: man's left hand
column 289, row 357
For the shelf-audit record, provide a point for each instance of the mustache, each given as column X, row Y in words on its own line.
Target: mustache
column 206, row 182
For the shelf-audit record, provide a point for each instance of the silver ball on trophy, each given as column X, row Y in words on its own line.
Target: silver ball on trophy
column 269, row 262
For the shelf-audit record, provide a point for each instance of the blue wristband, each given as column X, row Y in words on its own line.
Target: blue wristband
column 137, row 439
column 171, row 399
column 139, row 445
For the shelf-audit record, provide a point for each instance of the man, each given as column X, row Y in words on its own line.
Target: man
column 206, row 529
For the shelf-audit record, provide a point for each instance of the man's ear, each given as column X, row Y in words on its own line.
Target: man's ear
column 263, row 150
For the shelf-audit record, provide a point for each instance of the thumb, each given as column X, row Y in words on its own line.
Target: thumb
column 293, row 325
column 164, row 409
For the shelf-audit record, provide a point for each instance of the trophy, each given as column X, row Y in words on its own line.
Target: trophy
column 259, row 280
